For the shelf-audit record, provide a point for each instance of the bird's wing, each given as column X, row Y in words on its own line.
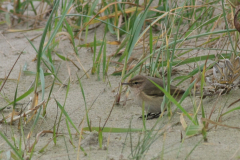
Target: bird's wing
column 174, row 90
column 154, row 91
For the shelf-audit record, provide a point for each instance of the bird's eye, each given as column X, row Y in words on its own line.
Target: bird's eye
column 135, row 82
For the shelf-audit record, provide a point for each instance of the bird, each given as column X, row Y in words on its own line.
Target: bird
column 144, row 90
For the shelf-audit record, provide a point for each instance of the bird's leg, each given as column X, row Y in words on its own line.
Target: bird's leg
column 151, row 115
column 145, row 116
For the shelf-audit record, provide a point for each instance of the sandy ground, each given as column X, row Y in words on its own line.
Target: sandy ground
column 223, row 143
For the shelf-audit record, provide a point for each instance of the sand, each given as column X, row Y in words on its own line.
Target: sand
column 223, row 142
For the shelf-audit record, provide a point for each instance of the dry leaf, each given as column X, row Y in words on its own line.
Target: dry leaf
column 183, row 122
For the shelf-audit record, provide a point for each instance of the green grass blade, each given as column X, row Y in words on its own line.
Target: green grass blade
column 174, row 101
column 21, row 97
column 67, row 116
column 13, row 148
column 42, row 82
column 234, row 109
column 104, row 59
column 113, row 130
column 85, row 104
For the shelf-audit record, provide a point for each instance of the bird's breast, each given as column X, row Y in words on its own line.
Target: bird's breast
column 152, row 103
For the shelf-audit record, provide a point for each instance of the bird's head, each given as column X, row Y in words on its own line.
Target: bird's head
column 136, row 82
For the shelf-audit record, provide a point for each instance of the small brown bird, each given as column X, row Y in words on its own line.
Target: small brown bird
column 145, row 90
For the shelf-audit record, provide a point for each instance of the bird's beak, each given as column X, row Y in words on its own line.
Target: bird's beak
column 125, row 83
